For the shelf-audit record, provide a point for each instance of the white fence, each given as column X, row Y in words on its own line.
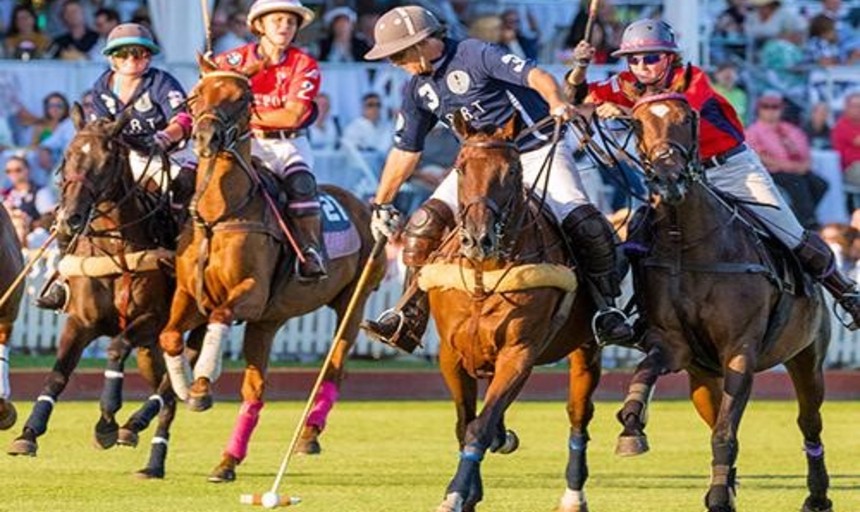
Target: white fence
column 308, row 337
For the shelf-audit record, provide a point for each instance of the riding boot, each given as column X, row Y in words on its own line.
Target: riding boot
column 308, row 231
column 55, row 294
column 593, row 246
column 403, row 326
column 817, row 259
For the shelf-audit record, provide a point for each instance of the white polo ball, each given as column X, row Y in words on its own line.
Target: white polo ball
column 270, row 500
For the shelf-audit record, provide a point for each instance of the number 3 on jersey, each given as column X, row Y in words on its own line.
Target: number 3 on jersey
column 426, row 91
column 516, row 63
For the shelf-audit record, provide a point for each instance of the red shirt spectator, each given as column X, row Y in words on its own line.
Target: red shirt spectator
column 845, row 137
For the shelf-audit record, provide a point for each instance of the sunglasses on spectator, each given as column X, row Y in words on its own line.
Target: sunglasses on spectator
column 771, row 105
column 372, row 104
column 14, row 170
column 136, row 52
column 58, row 104
column 649, row 59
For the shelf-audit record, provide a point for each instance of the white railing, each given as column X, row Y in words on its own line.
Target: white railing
column 308, row 337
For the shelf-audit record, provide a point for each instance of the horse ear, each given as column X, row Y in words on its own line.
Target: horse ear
column 509, row 130
column 121, row 121
column 206, row 64
column 631, row 90
column 77, row 115
column 682, row 80
column 461, row 127
column 252, row 69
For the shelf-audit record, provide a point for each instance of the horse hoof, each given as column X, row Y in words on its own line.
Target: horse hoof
column 23, row 446
column 583, row 507
column 813, row 505
column 453, row 503
column 150, row 473
column 222, row 475
column 8, row 415
column 199, row 403
column 127, row 437
column 512, row 442
column 106, row 434
column 631, row 446
column 309, row 447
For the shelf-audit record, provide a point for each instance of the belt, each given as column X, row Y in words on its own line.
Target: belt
column 721, row 158
column 279, row 134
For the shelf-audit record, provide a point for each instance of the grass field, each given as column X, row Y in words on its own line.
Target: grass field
column 398, row 456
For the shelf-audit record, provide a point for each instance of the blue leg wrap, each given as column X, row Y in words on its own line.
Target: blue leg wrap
column 38, row 420
column 577, row 465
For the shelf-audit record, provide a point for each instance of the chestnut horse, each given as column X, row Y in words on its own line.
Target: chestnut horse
column 233, row 265
column 116, row 288
column 12, row 264
column 707, row 292
column 504, row 299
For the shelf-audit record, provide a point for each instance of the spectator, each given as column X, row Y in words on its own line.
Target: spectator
column 55, row 110
column 845, row 138
column 342, row 44
column 603, row 34
column 106, row 20
column 25, row 41
column 784, row 150
column 822, row 47
column 325, row 132
column 785, row 62
column 726, row 83
column 364, row 26
column 730, row 24
column 25, row 197
column 237, row 33
column 817, row 126
column 842, row 239
column 79, row 40
column 487, row 28
column 370, row 132
column 515, row 40
column 42, row 166
column 769, row 19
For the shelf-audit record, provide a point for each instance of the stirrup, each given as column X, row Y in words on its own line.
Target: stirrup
column 850, row 322
column 311, row 252
column 605, row 312
column 381, row 320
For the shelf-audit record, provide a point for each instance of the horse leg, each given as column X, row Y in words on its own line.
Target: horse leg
column 72, row 342
column 706, row 393
column 8, row 413
column 106, row 430
column 209, row 361
column 162, row 403
column 513, row 368
column 584, row 377
column 256, row 347
column 184, row 316
column 808, row 379
column 633, row 415
column 737, row 386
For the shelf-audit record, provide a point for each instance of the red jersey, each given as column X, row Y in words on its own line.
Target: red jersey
column 295, row 79
column 720, row 129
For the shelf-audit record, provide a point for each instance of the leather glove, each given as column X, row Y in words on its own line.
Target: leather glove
column 384, row 221
column 161, row 140
column 583, row 53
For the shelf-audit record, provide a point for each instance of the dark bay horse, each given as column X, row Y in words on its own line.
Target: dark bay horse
column 707, row 291
column 504, row 300
column 11, row 264
column 233, row 265
column 116, row 289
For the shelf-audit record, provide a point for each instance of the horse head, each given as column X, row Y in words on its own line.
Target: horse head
column 667, row 130
column 490, row 188
column 93, row 167
column 221, row 106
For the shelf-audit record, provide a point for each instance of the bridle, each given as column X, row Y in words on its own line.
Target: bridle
column 666, row 148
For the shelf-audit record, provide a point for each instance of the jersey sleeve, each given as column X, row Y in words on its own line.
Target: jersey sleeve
column 170, row 96
column 496, row 62
column 304, row 85
column 413, row 124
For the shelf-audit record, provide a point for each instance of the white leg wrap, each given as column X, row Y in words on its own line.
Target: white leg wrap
column 453, row 503
column 572, row 500
column 5, row 390
column 212, row 352
column 180, row 374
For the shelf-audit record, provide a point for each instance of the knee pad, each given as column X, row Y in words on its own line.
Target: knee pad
column 424, row 231
column 300, row 185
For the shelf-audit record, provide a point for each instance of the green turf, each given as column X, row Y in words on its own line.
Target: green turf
column 385, row 456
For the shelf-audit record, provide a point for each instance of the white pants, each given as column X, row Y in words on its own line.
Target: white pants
column 745, row 177
column 565, row 191
column 279, row 155
column 142, row 166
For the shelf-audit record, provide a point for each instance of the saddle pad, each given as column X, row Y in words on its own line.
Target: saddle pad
column 520, row 277
column 339, row 233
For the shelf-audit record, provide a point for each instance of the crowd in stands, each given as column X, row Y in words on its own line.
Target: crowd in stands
column 759, row 52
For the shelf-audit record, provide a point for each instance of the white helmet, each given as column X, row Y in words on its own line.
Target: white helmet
column 263, row 7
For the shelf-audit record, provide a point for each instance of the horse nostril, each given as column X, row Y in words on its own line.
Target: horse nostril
column 75, row 221
column 486, row 243
column 466, row 241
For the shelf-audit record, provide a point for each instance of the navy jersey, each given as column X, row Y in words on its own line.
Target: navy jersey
column 482, row 81
column 157, row 100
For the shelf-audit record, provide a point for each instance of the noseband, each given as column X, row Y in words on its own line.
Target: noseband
column 228, row 130
column 665, row 148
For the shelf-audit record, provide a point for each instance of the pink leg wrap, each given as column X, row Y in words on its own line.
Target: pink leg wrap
column 237, row 447
column 325, row 399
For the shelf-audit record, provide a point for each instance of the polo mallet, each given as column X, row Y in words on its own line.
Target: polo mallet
column 592, row 15
column 26, row 270
column 272, row 499
column 207, row 28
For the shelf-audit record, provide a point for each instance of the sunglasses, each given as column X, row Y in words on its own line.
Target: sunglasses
column 57, row 104
column 137, row 53
column 772, row 106
column 649, row 59
column 372, row 104
column 14, row 170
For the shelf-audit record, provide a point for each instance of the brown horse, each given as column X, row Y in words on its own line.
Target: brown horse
column 116, row 289
column 12, row 264
column 707, row 292
column 503, row 297
column 234, row 265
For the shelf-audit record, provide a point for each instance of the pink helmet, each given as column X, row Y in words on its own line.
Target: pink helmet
column 645, row 36
column 263, row 7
